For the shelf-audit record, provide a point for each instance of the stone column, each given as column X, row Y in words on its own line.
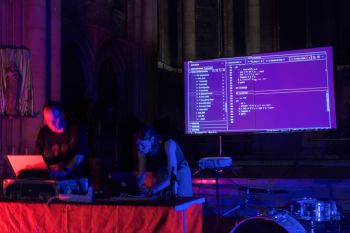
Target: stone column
column 253, row 26
column 228, row 29
column 38, row 41
column 55, row 49
column 149, row 32
column 35, row 40
column 189, row 30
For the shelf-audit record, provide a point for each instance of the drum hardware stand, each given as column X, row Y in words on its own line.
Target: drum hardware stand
column 217, row 172
column 216, row 164
column 239, row 206
column 312, row 222
column 312, row 226
column 218, row 211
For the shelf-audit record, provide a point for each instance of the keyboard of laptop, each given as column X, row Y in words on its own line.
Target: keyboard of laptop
column 132, row 198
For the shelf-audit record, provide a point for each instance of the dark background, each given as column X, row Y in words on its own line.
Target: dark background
column 134, row 74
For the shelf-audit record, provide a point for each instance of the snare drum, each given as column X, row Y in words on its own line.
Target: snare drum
column 280, row 222
column 316, row 210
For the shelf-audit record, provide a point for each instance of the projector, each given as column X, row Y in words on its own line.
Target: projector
column 215, row 162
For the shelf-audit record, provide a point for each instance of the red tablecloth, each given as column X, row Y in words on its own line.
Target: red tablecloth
column 185, row 216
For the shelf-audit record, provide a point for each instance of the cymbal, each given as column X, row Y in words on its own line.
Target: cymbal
column 253, row 190
column 262, row 190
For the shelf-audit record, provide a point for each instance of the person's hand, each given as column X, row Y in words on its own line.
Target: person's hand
column 58, row 174
column 146, row 191
column 54, row 167
column 102, row 192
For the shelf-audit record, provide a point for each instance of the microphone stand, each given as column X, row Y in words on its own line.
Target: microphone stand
column 173, row 179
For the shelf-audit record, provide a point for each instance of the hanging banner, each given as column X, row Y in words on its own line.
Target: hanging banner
column 16, row 86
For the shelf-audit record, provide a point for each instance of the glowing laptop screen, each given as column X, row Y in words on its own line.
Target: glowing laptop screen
column 20, row 163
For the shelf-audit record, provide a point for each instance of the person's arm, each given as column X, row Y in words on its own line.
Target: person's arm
column 69, row 167
column 79, row 142
column 74, row 162
column 142, row 168
column 170, row 150
column 39, row 143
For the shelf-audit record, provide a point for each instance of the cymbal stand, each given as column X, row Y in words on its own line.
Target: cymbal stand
column 247, row 197
column 217, row 172
column 312, row 226
column 217, row 195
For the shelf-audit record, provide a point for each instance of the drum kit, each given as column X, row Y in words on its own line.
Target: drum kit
column 303, row 215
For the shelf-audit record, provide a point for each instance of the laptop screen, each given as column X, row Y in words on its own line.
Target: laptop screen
column 20, row 163
column 124, row 183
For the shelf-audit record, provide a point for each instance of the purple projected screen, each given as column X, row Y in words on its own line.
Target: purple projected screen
column 275, row 92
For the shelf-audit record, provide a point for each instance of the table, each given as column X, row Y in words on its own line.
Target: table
column 178, row 216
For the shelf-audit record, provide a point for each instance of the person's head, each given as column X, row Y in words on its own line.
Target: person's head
column 54, row 116
column 147, row 141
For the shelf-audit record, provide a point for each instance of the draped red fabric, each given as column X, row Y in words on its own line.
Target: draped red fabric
column 194, row 218
column 89, row 218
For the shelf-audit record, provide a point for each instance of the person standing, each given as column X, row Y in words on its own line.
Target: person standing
column 167, row 162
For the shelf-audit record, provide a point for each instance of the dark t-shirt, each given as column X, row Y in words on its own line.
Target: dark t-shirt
column 59, row 148
column 160, row 159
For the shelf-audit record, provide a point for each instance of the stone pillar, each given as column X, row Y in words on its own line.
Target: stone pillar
column 163, row 28
column 189, row 30
column 55, row 49
column 268, row 26
column 149, row 32
column 228, row 33
column 134, row 36
column 253, row 26
column 36, row 39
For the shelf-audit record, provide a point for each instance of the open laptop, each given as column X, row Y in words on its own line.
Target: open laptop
column 28, row 166
column 124, row 183
column 124, row 186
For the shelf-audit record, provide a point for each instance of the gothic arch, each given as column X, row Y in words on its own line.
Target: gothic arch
column 117, row 85
column 77, row 87
column 114, row 78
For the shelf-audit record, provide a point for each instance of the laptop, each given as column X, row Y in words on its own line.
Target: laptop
column 28, row 166
column 124, row 184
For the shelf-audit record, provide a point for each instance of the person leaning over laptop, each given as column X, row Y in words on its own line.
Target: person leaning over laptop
column 62, row 144
column 167, row 163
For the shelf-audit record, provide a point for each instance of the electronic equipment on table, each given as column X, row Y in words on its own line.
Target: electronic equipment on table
column 32, row 182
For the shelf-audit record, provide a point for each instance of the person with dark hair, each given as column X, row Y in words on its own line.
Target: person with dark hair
column 168, row 163
column 62, row 144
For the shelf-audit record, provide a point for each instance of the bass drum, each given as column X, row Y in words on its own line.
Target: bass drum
column 280, row 222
